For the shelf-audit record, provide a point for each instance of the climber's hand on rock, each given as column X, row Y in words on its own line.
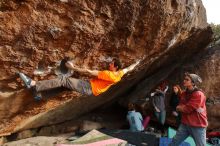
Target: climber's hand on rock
column 138, row 61
column 69, row 64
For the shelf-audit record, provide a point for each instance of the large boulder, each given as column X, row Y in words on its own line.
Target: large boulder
column 35, row 34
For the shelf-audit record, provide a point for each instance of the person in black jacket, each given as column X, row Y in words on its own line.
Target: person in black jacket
column 174, row 101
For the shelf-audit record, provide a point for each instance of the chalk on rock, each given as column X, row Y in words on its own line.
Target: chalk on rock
column 65, row 1
column 55, row 31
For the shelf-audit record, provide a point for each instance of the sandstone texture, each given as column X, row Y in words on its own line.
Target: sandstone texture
column 36, row 34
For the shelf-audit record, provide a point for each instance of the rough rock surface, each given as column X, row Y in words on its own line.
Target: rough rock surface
column 35, row 34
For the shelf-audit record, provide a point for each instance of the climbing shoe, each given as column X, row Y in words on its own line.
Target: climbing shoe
column 25, row 79
column 37, row 98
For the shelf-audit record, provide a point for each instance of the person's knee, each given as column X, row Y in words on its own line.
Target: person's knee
column 199, row 135
column 64, row 80
column 200, row 140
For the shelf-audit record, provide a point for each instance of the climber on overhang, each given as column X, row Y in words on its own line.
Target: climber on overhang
column 101, row 83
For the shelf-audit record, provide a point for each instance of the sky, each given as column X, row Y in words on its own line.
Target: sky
column 212, row 10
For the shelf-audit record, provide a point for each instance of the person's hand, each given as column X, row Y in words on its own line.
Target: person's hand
column 138, row 61
column 69, row 64
column 152, row 94
column 157, row 110
column 200, row 110
column 179, row 108
column 158, row 90
column 175, row 113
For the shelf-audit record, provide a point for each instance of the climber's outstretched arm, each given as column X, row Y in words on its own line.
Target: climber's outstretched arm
column 131, row 67
column 82, row 70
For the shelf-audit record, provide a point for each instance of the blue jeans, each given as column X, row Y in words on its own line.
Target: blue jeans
column 197, row 133
column 161, row 116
